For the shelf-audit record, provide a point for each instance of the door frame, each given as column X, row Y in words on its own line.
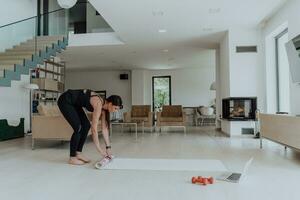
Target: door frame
column 170, row 88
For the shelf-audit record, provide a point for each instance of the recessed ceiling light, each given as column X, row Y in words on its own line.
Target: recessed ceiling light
column 162, row 30
column 165, row 50
column 214, row 10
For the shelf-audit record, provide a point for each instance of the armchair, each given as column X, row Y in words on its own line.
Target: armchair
column 171, row 116
column 140, row 113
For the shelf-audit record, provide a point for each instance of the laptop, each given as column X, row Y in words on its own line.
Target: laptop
column 235, row 177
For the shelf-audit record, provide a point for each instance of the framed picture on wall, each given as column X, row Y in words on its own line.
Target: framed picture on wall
column 101, row 93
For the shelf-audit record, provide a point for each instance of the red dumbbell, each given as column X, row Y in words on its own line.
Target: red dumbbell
column 211, row 180
column 202, row 180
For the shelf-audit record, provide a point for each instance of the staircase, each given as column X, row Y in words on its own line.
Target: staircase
column 27, row 55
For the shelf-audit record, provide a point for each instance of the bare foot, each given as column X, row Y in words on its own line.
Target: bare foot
column 75, row 161
column 82, row 158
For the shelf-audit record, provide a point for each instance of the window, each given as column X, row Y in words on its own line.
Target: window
column 283, row 73
column 161, row 92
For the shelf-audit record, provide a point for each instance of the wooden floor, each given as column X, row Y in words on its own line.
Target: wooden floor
column 44, row 174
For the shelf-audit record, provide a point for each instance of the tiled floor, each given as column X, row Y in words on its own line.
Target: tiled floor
column 44, row 174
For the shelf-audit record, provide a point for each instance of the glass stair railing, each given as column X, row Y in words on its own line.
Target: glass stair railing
column 22, row 49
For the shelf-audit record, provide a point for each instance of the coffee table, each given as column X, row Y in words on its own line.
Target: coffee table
column 126, row 123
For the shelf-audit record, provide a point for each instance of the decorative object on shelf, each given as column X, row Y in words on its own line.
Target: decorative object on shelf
column 66, row 3
column 35, row 104
column 46, row 84
column 213, row 86
column 31, row 87
column 10, row 132
column 51, row 80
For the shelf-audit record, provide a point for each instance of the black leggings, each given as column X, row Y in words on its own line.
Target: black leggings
column 78, row 121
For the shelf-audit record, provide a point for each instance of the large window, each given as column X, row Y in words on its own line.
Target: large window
column 161, row 92
column 283, row 73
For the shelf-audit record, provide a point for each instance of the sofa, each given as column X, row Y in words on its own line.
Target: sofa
column 171, row 116
column 50, row 124
column 141, row 114
column 10, row 131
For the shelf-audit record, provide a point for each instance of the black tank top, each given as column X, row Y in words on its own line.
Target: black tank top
column 81, row 98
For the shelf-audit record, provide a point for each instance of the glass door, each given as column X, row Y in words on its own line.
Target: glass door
column 161, row 92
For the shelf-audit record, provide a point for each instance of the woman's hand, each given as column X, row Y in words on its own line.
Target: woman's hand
column 108, row 152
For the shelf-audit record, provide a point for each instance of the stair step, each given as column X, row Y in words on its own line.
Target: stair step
column 11, row 62
column 17, row 57
column 25, row 50
column 7, row 67
column 29, row 46
column 32, row 49
column 17, row 53
column 49, row 38
column 32, row 43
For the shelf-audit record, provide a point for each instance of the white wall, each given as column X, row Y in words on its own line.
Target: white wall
column 243, row 66
column 12, row 11
column 238, row 72
column 95, row 23
column 218, row 86
column 224, row 87
column 222, row 74
column 94, row 39
column 102, row 80
column 14, row 102
column 138, row 85
column 190, row 87
column 58, row 21
column 288, row 15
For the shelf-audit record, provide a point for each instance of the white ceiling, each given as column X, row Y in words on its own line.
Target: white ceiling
column 194, row 27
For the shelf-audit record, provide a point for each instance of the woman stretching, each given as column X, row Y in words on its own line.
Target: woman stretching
column 71, row 104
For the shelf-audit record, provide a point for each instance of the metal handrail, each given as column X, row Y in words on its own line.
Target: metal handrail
column 32, row 17
column 29, row 18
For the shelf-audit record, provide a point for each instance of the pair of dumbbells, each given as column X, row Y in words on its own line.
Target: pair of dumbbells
column 202, row 180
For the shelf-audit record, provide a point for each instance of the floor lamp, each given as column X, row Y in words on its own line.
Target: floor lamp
column 31, row 87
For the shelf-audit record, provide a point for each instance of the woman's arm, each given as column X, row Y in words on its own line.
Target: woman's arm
column 105, row 128
column 94, row 128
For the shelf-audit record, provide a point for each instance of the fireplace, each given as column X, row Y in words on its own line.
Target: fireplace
column 239, row 108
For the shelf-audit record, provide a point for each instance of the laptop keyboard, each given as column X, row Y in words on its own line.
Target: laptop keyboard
column 234, row 176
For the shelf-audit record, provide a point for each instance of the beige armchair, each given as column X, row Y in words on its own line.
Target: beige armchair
column 140, row 113
column 171, row 116
column 50, row 124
